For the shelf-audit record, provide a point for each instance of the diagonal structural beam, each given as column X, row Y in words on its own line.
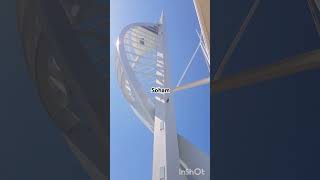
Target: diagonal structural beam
column 236, row 40
column 206, row 55
column 192, row 84
column 285, row 67
column 187, row 68
column 312, row 8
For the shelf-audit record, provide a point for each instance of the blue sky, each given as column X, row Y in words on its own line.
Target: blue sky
column 131, row 142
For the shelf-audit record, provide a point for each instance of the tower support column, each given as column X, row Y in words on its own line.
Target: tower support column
column 165, row 146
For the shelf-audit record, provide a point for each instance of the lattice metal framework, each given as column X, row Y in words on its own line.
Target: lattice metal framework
column 136, row 68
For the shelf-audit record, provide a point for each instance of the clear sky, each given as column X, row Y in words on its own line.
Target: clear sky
column 131, row 142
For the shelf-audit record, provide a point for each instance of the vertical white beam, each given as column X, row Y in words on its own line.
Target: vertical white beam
column 165, row 146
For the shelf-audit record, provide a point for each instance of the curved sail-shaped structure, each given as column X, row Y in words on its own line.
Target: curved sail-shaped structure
column 141, row 65
column 136, row 68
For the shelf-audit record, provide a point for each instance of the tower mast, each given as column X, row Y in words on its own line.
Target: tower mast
column 142, row 65
column 165, row 143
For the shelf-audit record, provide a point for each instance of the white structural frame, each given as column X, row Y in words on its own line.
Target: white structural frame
column 171, row 152
column 165, row 143
column 202, row 8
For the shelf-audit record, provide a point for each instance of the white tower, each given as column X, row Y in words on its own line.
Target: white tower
column 141, row 65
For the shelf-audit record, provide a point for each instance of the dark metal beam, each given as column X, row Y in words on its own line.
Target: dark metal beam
column 236, row 40
column 315, row 18
column 285, row 67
